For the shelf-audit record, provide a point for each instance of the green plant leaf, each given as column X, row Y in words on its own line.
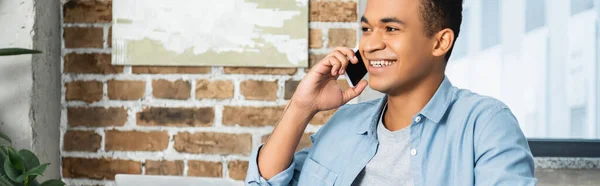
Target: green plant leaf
column 33, row 182
column 5, row 137
column 3, row 157
column 29, row 159
column 15, row 159
column 17, row 51
column 35, row 171
column 11, row 172
column 53, row 183
column 4, row 180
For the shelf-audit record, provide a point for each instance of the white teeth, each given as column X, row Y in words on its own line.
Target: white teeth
column 382, row 63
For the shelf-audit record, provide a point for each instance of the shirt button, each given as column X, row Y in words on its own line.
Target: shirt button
column 413, row 152
column 418, row 119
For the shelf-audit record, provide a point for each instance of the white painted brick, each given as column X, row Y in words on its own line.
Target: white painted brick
column 102, row 134
column 218, row 120
column 105, row 35
column 127, row 69
column 87, row 25
column 225, row 168
column 131, row 116
column 143, row 167
column 104, row 90
column 186, row 167
column 86, row 50
column 192, row 89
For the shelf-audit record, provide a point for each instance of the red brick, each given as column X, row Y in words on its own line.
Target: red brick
column 88, row 141
column 83, row 37
column 98, row 169
column 251, row 116
column 90, row 64
column 342, row 37
column 166, row 89
column 126, row 89
column 259, row 90
column 171, row 168
column 333, row 11
column 205, row 168
column 96, row 116
column 290, row 88
column 315, row 38
column 136, row 141
column 218, row 89
column 181, row 117
column 213, row 143
column 109, row 37
column 91, row 11
column 88, row 91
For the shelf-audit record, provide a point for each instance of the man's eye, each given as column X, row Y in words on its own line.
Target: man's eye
column 365, row 29
column 391, row 29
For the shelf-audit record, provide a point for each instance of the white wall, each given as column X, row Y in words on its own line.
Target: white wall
column 16, row 18
column 30, row 84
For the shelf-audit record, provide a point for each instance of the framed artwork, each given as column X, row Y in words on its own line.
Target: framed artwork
column 265, row 33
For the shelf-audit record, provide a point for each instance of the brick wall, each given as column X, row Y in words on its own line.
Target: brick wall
column 185, row 121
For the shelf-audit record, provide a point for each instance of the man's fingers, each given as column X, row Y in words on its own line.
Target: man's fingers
column 323, row 67
column 343, row 61
column 336, row 65
column 337, row 61
column 351, row 93
column 348, row 53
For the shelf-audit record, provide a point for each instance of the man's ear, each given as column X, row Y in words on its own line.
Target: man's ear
column 443, row 42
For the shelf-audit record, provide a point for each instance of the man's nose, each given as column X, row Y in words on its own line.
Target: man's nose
column 374, row 42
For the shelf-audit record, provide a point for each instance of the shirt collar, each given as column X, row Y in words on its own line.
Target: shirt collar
column 434, row 110
column 440, row 102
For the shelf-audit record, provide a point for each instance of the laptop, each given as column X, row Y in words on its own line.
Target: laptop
column 147, row 180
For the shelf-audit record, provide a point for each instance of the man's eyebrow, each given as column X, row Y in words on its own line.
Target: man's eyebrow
column 364, row 20
column 392, row 20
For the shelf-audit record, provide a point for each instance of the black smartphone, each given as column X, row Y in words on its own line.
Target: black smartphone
column 355, row 72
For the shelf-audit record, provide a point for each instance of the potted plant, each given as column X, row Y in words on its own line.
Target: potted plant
column 20, row 168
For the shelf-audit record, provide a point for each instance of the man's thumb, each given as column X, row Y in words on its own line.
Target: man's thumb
column 353, row 92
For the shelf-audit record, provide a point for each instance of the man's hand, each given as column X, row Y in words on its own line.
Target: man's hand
column 319, row 91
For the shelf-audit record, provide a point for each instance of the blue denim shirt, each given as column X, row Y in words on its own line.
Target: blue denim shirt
column 459, row 138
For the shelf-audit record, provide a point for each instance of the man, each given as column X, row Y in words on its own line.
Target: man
column 423, row 132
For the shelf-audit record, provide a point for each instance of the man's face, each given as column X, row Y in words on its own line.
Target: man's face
column 395, row 48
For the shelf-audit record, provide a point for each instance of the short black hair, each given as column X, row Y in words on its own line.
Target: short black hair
column 441, row 14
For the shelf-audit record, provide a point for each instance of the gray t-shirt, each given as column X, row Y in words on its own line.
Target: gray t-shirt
column 391, row 163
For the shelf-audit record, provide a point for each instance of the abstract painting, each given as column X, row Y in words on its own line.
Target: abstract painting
column 265, row 33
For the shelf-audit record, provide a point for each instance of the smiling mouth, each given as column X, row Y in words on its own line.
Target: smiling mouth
column 382, row 63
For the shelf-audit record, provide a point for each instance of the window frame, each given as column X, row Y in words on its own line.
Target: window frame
column 552, row 147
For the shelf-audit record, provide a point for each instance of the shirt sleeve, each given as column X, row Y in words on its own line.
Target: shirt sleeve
column 502, row 155
column 287, row 177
